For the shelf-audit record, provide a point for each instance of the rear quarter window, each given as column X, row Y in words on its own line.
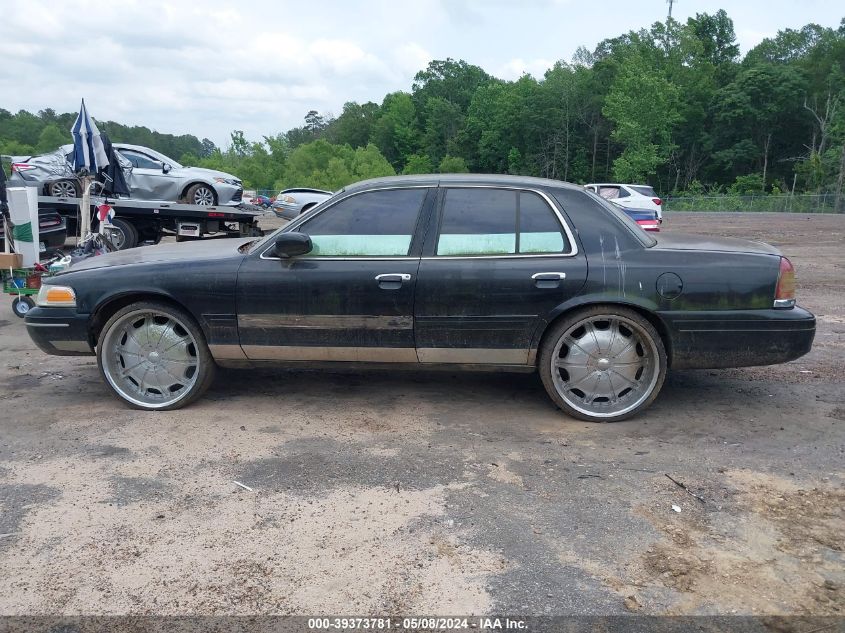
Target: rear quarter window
column 644, row 238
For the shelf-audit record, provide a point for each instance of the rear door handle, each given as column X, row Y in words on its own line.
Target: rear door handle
column 548, row 280
column 392, row 281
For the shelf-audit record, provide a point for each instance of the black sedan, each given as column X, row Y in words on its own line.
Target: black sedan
column 434, row 271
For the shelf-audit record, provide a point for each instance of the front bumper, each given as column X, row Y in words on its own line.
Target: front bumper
column 59, row 331
column 738, row 338
column 228, row 194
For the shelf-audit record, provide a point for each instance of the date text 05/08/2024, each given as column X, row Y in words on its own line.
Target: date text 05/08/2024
column 416, row 624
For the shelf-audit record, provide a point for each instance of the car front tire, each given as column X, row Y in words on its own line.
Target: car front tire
column 201, row 194
column 603, row 363
column 154, row 356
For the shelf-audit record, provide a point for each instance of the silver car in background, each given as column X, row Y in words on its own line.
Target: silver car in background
column 293, row 202
column 149, row 174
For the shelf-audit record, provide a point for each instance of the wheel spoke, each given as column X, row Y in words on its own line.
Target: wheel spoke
column 571, row 342
column 630, row 383
column 625, row 349
column 164, row 331
column 614, row 332
column 591, row 329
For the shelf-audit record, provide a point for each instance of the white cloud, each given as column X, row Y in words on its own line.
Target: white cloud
column 207, row 67
column 515, row 68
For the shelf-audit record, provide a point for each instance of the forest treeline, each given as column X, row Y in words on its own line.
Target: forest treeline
column 674, row 105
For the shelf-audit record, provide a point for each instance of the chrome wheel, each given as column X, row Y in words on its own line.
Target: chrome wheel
column 604, row 366
column 63, row 189
column 203, row 196
column 150, row 358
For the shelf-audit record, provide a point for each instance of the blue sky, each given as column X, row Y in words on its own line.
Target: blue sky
column 208, row 67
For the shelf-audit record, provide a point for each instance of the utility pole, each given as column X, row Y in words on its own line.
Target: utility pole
column 670, row 2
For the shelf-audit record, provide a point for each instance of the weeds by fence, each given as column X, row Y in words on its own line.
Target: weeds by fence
column 805, row 203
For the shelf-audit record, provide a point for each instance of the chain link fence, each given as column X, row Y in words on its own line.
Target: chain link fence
column 805, row 203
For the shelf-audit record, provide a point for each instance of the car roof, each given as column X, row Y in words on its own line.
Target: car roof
column 306, row 190
column 461, row 179
column 615, row 184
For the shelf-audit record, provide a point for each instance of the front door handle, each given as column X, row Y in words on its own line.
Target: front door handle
column 548, row 280
column 392, row 281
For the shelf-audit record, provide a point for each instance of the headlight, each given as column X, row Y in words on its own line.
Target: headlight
column 288, row 199
column 228, row 181
column 56, row 297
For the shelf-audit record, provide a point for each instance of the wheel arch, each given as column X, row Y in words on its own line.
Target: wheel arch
column 566, row 309
column 109, row 306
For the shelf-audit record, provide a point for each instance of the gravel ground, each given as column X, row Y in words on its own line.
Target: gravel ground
column 439, row 493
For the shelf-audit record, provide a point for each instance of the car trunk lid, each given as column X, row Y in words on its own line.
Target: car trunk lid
column 691, row 242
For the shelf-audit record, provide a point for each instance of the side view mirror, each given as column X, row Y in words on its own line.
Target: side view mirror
column 292, row 244
column 166, row 167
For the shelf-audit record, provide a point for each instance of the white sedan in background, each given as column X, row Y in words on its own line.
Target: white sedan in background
column 293, row 202
column 629, row 196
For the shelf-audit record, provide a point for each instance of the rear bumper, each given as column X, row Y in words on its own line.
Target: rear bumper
column 53, row 237
column 59, row 331
column 285, row 211
column 738, row 338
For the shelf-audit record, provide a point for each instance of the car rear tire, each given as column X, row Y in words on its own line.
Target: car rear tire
column 154, row 356
column 201, row 194
column 123, row 234
column 22, row 305
column 602, row 364
column 63, row 189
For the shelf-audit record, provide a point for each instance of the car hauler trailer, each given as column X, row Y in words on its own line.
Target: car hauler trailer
column 139, row 222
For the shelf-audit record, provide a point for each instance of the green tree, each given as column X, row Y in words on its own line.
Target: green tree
column 323, row 165
column 51, row 138
column 354, row 125
column 643, row 106
column 395, row 131
column 760, row 113
column 418, row 164
column 453, row 165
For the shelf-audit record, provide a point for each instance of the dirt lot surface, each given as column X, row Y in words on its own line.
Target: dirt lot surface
column 439, row 493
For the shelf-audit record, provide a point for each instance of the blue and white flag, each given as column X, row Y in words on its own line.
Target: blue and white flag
column 88, row 151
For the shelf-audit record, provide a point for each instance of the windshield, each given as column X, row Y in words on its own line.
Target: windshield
column 645, row 190
column 647, row 240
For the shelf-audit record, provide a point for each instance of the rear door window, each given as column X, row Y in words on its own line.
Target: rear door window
column 478, row 221
column 487, row 221
column 140, row 160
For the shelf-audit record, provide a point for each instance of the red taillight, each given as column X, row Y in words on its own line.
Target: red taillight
column 22, row 167
column 657, row 201
column 215, row 214
column 785, row 290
